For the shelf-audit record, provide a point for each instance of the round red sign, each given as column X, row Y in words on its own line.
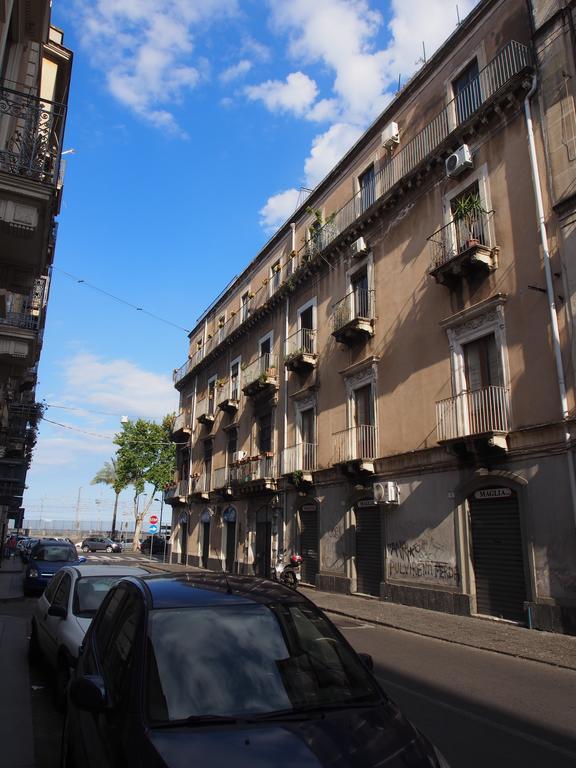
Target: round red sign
column 153, row 519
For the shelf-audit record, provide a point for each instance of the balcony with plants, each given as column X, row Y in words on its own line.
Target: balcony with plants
column 463, row 246
column 254, row 474
column 299, row 462
column 353, row 317
column 301, row 355
column 474, row 415
column 182, row 427
column 356, row 448
column 201, row 485
column 228, row 394
column 261, row 376
column 206, row 410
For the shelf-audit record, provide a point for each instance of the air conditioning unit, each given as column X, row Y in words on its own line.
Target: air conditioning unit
column 358, row 247
column 459, row 161
column 239, row 455
column 386, row 493
column 390, row 135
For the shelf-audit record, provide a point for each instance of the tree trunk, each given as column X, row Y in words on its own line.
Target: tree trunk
column 137, row 529
column 114, row 515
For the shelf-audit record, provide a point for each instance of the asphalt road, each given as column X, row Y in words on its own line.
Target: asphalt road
column 480, row 708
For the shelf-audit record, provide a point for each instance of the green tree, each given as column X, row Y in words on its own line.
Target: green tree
column 145, row 455
column 109, row 476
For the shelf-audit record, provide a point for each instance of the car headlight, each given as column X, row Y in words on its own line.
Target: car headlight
column 32, row 572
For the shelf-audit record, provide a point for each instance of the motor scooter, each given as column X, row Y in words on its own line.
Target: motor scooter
column 287, row 571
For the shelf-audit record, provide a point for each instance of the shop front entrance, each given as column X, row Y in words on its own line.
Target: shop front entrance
column 369, row 550
column 497, row 553
column 309, row 542
column 229, row 518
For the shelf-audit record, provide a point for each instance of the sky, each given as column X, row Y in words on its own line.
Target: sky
column 193, row 128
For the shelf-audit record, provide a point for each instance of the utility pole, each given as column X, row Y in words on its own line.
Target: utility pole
column 78, row 509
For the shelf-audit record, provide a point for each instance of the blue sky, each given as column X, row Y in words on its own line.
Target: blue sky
column 194, row 125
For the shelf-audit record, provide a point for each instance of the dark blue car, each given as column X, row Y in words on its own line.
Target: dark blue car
column 44, row 560
column 211, row 670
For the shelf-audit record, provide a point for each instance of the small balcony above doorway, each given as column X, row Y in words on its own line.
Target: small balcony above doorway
column 473, row 419
column 229, row 396
column 298, row 463
column 353, row 317
column 254, row 475
column 462, row 247
column 261, row 376
column 355, row 449
column 205, row 411
column 182, row 427
column 301, row 354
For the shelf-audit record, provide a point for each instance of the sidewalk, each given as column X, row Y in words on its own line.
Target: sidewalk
column 484, row 634
column 11, row 577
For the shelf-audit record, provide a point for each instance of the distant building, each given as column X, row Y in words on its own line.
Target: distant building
column 388, row 386
column 34, row 81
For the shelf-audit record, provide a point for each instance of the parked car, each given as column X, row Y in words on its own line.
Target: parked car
column 30, row 544
column 100, row 544
column 63, row 614
column 227, row 670
column 158, row 543
column 45, row 559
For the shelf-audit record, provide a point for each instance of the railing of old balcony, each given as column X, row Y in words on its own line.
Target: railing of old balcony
column 33, row 129
column 221, row 477
column 358, row 304
column 299, row 458
column 260, row 468
column 264, row 366
column 182, row 421
column 455, row 237
column 355, row 443
column 474, row 412
column 303, row 341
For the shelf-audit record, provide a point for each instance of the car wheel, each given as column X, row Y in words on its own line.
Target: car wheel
column 85, row 549
column 109, row 549
column 34, row 652
column 62, row 680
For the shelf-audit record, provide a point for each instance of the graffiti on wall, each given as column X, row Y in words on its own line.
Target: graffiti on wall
column 332, row 550
column 421, row 559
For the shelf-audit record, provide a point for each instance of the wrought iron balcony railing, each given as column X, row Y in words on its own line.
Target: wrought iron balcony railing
column 230, row 390
column 33, row 129
column 457, row 236
column 299, row 458
column 478, row 412
column 356, row 305
column 221, row 478
column 182, row 422
column 303, row 341
column 264, row 369
column 356, row 444
column 26, row 311
column 260, row 468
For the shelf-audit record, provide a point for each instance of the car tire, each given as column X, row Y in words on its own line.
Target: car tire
column 34, row 652
column 85, row 549
column 61, row 682
column 109, row 549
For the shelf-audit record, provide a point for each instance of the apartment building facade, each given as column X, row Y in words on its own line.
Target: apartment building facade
column 35, row 72
column 387, row 386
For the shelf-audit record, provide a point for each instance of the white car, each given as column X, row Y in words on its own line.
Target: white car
column 63, row 614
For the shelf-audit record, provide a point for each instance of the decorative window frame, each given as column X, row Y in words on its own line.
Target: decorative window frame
column 360, row 265
column 356, row 377
column 471, row 324
column 304, row 404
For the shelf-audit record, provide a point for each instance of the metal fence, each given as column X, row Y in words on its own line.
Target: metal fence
column 478, row 412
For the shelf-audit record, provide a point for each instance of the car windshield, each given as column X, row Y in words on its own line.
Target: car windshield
column 55, row 554
column 89, row 593
column 248, row 660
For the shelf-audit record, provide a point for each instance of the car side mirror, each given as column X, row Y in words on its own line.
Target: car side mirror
column 367, row 660
column 81, row 559
column 88, row 693
column 58, row 610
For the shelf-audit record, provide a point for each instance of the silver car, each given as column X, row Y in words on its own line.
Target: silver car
column 63, row 614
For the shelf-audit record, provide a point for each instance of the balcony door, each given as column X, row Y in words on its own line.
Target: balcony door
column 363, row 422
column 483, row 374
column 307, row 439
column 208, row 449
column 360, row 296
column 306, row 328
column 366, row 182
column 467, row 92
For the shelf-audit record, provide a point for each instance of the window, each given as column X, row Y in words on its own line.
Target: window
column 275, row 277
column 63, row 592
column 52, row 586
column 467, row 93
column 482, row 363
column 119, row 653
column 221, row 328
column 244, row 306
column 265, row 433
column 306, row 327
column 108, row 618
column 212, row 396
column 232, row 446
column 469, row 218
column 308, row 439
column 366, row 181
column 235, row 380
column 361, row 294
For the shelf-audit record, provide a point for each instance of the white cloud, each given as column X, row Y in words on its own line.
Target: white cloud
column 145, row 49
column 327, row 149
column 278, row 208
column 235, row 71
column 294, row 95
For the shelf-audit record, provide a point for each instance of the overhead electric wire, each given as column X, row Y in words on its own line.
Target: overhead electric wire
column 120, row 300
column 109, row 437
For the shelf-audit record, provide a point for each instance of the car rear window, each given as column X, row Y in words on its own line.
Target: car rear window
column 89, row 593
column 55, row 554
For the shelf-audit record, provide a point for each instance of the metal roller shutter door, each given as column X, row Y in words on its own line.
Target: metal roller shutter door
column 498, row 558
column 309, row 545
column 368, row 551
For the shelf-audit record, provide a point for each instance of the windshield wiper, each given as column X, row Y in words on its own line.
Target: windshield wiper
column 317, row 708
column 199, row 720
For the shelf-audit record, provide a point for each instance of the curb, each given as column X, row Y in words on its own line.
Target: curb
column 390, row 625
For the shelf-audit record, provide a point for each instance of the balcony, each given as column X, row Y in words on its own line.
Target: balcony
column 477, row 415
column 356, row 449
column 182, row 427
column 221, row 483
column 261, row 376
column 254, row 475
column 353, row 317
column 299, row 461
column 206, row 411
column 21, row 323
column 201, row 485
column 462, row 247
column 229, row 396
column 177, row 493
column 301, row 354
column 34, row 129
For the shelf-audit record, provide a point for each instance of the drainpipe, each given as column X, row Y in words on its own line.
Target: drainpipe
column 550, row 289
column 285, row 425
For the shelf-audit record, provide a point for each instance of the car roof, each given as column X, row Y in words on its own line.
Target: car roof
column 210, row 588
column 106, row 570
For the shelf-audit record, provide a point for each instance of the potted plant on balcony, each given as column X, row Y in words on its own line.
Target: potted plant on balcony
column 467, row 211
